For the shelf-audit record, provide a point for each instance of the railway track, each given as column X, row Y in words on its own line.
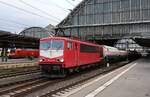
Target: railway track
column 19, row 71
column 79, row 81
column 47, row 88
column 11, row 74
column 21, row 86
column 13, row 80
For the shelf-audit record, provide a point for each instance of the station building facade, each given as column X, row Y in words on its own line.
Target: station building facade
column 107, row 19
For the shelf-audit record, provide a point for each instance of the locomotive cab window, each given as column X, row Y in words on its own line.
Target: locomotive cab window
column 52, row 44
column 69, row 45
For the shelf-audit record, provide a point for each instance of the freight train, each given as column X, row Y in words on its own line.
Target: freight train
column 23, row 53
column 60, row 55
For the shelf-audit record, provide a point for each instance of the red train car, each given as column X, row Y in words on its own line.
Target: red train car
column 22, row 53
column 58, row 55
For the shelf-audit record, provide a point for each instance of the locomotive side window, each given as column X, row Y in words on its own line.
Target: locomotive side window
column 69, row 45
column 88, row 48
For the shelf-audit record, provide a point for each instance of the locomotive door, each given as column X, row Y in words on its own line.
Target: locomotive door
column 76, row 54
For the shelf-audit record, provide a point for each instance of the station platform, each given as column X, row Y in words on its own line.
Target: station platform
column 15, row 63
column 18, row 60
column 132, row 80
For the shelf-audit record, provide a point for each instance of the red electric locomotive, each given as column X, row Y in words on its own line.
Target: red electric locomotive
column 22, row 53
column 59, row 55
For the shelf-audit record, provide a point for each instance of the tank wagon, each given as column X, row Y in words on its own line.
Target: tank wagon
column 59, row 55
column 112, row 54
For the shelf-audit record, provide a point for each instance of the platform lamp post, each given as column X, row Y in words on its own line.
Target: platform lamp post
column 4, row 54
column 108, row 65
column 127, row 48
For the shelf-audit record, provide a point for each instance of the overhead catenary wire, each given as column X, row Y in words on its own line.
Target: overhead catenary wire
column 30, row 12
column 77, row 0
column 7, row 24
column 62, row 8
column 27, row 4
column 7, row 28
column 14, row 22
column 70, row 3
column 22, row 25
column 26, row 11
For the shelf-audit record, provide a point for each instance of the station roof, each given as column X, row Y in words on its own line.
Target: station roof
column 10, row 40
column 143, row 41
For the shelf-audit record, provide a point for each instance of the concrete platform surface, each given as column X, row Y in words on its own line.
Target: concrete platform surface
column 132, row 80
column 18, row 60
column 15, row 63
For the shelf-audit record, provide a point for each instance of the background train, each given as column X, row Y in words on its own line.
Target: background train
column 23, row 53
column 0, row 52
column 112, row 54
column 59, row 55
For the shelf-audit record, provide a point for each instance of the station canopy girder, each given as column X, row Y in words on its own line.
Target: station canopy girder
column 10, row 40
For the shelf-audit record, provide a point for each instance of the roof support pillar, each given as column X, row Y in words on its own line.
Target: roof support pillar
column 4, row 54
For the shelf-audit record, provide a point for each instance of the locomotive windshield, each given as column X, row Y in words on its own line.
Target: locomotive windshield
column 52, row 45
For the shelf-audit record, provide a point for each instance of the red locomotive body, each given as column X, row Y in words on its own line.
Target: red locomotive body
column 22, row 53
column 57, row 54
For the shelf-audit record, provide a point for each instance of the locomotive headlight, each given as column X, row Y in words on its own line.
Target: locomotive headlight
column 41, row 60
column 61, row 60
